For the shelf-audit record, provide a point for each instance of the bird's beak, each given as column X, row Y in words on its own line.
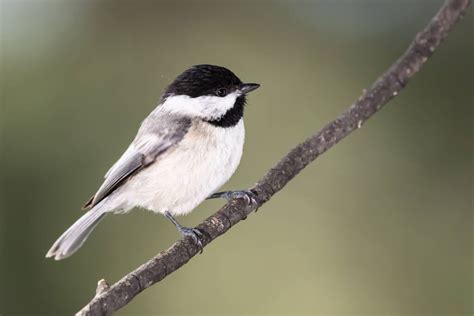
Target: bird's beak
column 245, row 88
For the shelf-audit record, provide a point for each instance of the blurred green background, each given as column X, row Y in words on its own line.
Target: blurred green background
column 380, row 225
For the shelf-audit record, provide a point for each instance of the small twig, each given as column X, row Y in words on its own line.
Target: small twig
column 372, row 100
column 102, row 286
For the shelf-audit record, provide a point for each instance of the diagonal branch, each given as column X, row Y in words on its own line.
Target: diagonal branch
column 110, row 299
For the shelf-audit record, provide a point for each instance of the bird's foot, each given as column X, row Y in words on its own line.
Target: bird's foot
column 247, row 195
column 194, row 233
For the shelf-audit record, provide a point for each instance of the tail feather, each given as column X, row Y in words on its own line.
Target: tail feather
column 73, row 238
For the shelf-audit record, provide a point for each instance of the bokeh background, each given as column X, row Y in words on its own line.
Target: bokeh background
column 382, row 224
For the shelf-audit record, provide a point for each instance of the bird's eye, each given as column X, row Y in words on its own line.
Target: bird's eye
column 221, row 92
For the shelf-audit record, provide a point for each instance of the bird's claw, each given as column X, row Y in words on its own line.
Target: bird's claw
column 195, row 234
column 247, row 195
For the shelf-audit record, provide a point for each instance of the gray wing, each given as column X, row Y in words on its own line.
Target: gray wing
column 157, row 134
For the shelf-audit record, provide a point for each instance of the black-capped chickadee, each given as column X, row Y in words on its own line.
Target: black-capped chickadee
column 184, row 151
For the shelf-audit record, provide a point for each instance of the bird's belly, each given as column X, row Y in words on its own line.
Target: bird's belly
column 186, row 175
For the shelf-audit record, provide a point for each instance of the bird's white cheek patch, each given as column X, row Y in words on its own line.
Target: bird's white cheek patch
column 206, row 107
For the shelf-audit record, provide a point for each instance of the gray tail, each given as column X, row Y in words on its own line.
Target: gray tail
column 73, row 238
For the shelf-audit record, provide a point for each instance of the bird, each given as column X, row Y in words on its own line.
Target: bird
column 184, row 151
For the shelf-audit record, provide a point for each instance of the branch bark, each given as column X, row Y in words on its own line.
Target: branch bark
column 386, row 87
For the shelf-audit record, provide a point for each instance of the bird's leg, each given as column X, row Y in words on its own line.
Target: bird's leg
column 194, row 233
column 247, row 195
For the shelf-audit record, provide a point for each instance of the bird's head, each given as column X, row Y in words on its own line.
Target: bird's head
column 212, row 93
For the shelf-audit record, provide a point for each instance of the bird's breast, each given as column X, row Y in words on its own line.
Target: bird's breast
column 189, row 172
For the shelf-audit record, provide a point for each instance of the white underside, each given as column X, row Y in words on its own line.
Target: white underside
column 185, row 175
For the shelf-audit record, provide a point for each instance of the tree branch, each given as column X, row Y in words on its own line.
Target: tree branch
column 110, row 299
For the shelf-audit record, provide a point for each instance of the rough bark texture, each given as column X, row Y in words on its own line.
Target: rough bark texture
column 110, row 299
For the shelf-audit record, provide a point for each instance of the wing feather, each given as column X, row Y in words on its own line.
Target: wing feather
column 156, row 135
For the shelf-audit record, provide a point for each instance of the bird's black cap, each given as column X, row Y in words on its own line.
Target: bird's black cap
column 200, row 80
